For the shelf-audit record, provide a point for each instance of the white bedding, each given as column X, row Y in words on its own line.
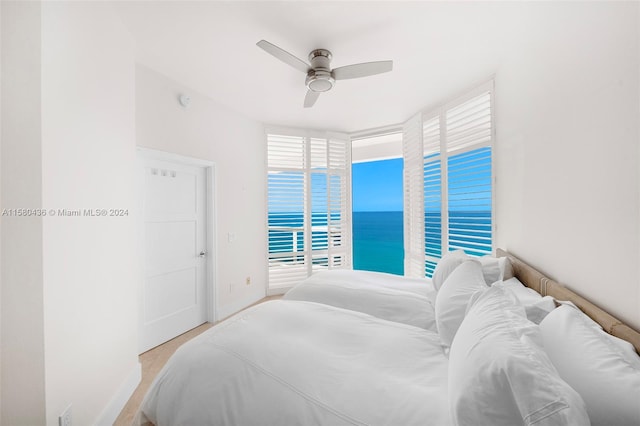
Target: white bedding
column 386, row 296
column 421, row 286
column 301, row 363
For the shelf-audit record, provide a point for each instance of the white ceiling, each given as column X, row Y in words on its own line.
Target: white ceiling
column 439, row 49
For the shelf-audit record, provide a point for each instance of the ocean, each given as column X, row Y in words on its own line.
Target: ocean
column 377, row 238
column 378, row 242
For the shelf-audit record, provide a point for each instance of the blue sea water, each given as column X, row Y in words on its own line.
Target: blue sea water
column 378, row 242
column 377, row 238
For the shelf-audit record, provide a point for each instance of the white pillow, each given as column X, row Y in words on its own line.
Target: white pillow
column 453, row 297
column 493, row 268
column 536, row 312
column 603, row 369
column 496, row 268
column 536, row 306
column 526, row 295
column 499, row 374
column 446, row 265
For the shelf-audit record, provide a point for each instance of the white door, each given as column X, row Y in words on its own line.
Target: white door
column 174, row 293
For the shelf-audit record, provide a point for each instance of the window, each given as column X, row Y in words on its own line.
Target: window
column 309, row 211
column 448, row 181
column 377, row 202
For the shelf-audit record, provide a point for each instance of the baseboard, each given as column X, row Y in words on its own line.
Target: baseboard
column 235, row 307
column 117, row 403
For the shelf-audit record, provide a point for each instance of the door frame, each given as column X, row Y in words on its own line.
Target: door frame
column 210, row 222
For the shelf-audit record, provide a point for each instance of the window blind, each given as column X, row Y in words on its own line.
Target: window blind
column 470, row 201
column 456, row 180
column 469, row 140
column 287, row 181
column 339, row 202
column 309, row 218
column 432, row 185
column 413, row 184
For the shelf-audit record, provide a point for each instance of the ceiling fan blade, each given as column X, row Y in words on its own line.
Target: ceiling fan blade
column 362, row 70
column 284, row 56
column 311, row 98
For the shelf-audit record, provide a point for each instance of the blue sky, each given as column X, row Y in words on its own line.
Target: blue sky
column 377, row 186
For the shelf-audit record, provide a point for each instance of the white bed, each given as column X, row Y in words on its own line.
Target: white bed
column 301, row 363
column 391, row 297
column 380, row 280
column 292, row 362
column 386, row 296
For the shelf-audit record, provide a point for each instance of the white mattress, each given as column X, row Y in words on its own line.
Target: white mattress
column 301, row 363
column 390, row 297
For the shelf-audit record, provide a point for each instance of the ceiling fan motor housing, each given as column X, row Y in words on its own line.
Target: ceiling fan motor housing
column 319, row 78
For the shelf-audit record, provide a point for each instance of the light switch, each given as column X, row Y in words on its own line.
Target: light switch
column 231, row 236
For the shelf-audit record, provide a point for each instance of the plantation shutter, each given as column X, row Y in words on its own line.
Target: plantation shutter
column 287, row 199
column 339, row 201
column 413, row 182
column 319, row 200
column 448, row 181
column 433, row 196
column 309, row 217
column 469, row 140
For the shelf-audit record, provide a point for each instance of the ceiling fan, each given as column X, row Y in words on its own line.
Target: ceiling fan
column 320, row 77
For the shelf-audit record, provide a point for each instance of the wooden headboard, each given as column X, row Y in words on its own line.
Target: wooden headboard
column 544, row 285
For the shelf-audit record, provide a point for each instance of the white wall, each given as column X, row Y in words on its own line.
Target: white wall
column 567, row 152
column 22, row 385
column 88, row 162
column 69, row 283
column 236, row 144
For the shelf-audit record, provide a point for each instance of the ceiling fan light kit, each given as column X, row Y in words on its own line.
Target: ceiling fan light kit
column 320, row 77
column 319, row 81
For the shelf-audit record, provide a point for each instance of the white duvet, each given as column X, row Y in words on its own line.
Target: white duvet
column 300, row 363
column 386, row 296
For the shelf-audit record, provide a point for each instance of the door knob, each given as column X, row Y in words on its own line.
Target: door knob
column 203, row 253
